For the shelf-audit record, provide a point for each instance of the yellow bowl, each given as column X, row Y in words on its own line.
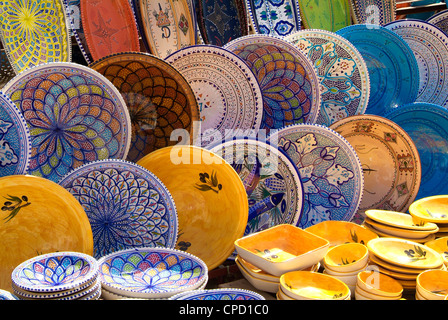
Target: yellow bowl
column 379, row 284
column 307, row 285
column 361, row 294
column 433, row 284
column 260, row 284
column 281, row 295
column 430, row 209
column 441, row 246
column 346, row 257
column 401, row 232
column 380, row 233
column 399, row 220
column 210, row 198
column 255, row 271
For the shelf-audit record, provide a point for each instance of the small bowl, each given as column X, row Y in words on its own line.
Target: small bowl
column 254, row 271
column 433, row 284
column 345, row 274
column 346, row 257
column 307, row 285
column 257, row 283
column 349, row 280
column 282, row 248
column 367, row 295
column 430, row 209
column 379, row 284
column 440, row 245
column 219, row 294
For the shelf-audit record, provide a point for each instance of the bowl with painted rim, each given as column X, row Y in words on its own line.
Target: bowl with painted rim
column 220, row 294
column 433, row 284
column 346, row 257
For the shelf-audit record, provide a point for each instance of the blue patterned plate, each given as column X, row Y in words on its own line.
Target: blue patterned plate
column 440, row 20
column 330, row 170
column 127, row 205
column 427, row 125
column 219, row 294
column 6, row 295
column 393, row 69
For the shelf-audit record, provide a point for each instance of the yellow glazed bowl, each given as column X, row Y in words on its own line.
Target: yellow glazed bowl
column 307, row 285
column 441, row 246
column 346, row 257
column 399, row 220
column 361, row 294
column 379, row 284
column 430, row 209
column 433, row 284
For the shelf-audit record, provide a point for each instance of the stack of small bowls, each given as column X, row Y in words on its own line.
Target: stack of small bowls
column 432, row 285
column 57, row 276
column 373, row 285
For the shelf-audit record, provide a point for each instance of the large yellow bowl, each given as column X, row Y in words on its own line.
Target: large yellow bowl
column 210, row 199
column 433, row 284
column 431, row 209
column 38, row 216
column 441, row 246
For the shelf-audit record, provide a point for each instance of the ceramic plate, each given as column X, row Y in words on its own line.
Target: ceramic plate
column 427, row 125
column 431, row 209
column 402, row 233
column 151, row 272
column 377, row 12
column 399, row 220
column 342, row 71
column 330, row 170
column 158, row 97
column 109, row 27
column 227, row 92
column 6, row 70
column 327, row 15
column 440, row 20
column 127, row 205
column 278, row 18
column 391, row 64
column 430, row 47
column 75, row 116
column 390, row 162
column 287, row 77
column 6, row 295
column 199, row 180
column 34, row 32
column 220, row 294
column 15, row 139
column 381, row 233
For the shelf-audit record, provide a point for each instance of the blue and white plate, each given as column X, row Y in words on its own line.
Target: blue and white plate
column 440, row 20
column 127, row 205
column 6, row 295
column 219, row 294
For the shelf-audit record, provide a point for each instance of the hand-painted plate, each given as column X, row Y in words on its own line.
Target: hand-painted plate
column 330, row 15
column 38, row 216
column 342, row 72
column 278, row 18
column 75, row 116
column 393, row 68
column 427, row 125
column 227, row 92
column 127, row 205
column 430, row 47
column 109, row 27
column 15, row 139
column 390, row 162
column 440, row 20
column 34, row 32
column 160, row 100
column 330, row 170
column 211, row 200
column 377, row 12
column 219, row 294
column 287, row 77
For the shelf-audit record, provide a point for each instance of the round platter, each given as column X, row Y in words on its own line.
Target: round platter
column 288, row 79
column 75, row 116
column 211, row 200
column 15, row 139
column 440, row 20
column 127, row 205
column 38, row 216
column 377, row 12
column 430, row 47
column 219, row 294
column 427, row 125
column 390, row 161
column 330, row 170
column 391, row 64
column 159, row 99
column 342, row 72
column 74, row 16
column 228, row 94
column 34, row 32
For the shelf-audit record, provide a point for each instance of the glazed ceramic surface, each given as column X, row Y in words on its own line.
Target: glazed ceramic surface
column 431, row 209
column 379, row 283
column 440, row 20
column 426, row 124
column 342, row 71
column 430, row 47
column 158, row 97
column 198, row 180
column 398, row 232
column 6, row 295
column 6, row 70
column 390, row 162
column 330, row 170
column 399, row 219
column 377, row 12
column 127, row 205
column 228, row 94
column 34, row 32
column 392, row 66
column 75, row 115
column 441, row 246
column 433, row 284
column 347, row 257
column 287, row 77
column 328, row 15
column 221, row 294
column 151, row 272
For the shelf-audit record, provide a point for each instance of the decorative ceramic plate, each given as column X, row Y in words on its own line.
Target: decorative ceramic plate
column 151, row 272
column 34, row 32
column 38, row 216
column 330, row 170
column 127, row 205
column 427, row 125
column 227, row 92
column 219, row 294
column 430, row 47
column 431, row 209
column 381, row 233
column 330, row 15
column 440, row 20
column 399, row 232
column 390, row 162
column 399, row 220
column 287, row 77
column 109, row 27
column 377, row 12
column 342, row 71
column 278, row 18
column 6, row 295
column 75, row 116
column 159, row 99
column 199, row 180
column 6, row 70
column 391, row 64
column 15, row 139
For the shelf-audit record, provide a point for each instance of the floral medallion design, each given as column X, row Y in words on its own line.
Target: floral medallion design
column 127, row 205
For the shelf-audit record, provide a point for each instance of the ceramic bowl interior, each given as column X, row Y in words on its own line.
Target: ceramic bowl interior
column 433, row 284
column 441, row 246
column 346, row 257
column 379, row 284
column 432, row 209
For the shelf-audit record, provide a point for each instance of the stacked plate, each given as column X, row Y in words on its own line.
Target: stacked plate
column 373, row 285
column 432, row 210
column 57, row 276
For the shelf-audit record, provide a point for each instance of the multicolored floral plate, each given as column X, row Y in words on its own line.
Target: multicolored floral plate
column 219, row 294
column 330, row 15
column 377, row 12
column 75, row 115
